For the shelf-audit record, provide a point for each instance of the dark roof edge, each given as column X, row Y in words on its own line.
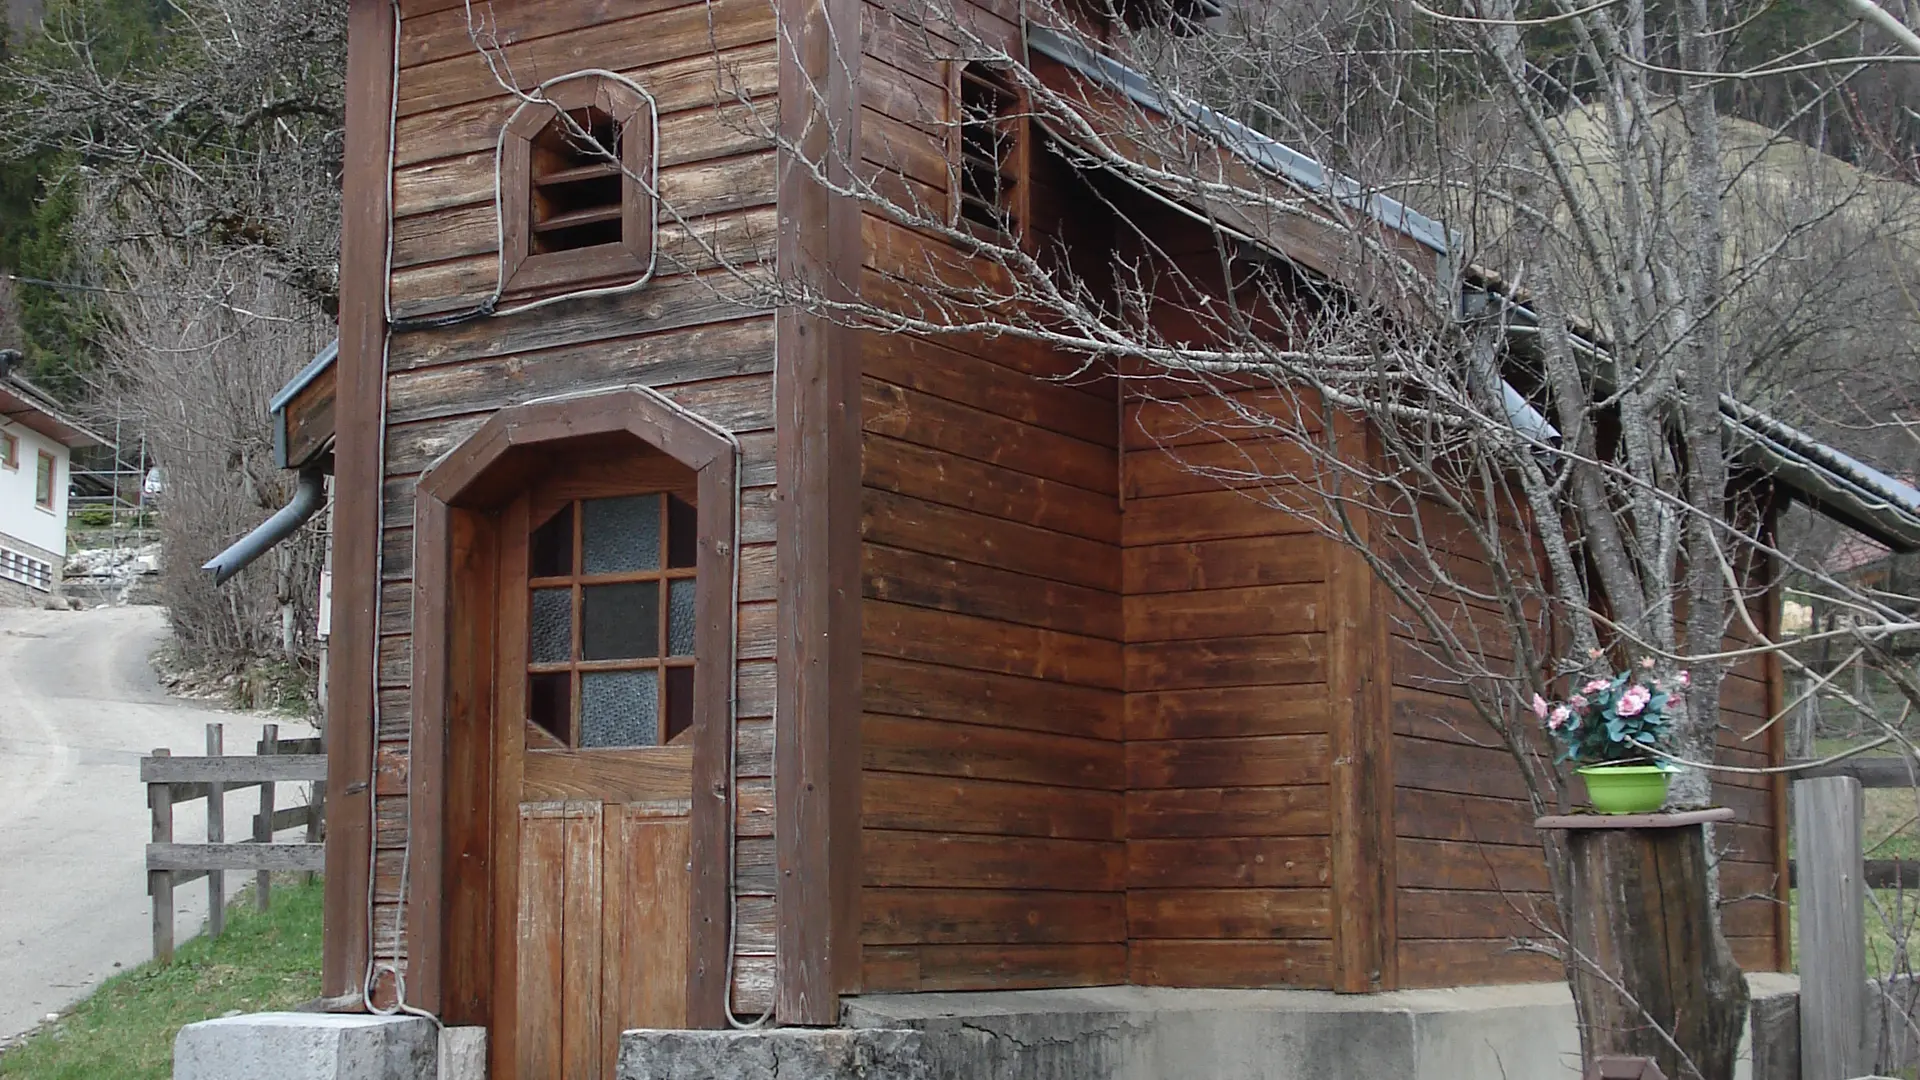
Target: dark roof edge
column 1270, row 154
column 1834, row 483
column 38, row 400
column 320, row 362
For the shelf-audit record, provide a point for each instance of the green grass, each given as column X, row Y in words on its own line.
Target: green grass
column 125, row 1030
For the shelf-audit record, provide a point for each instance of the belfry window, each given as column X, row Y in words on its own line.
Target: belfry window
column 576, row 198
column 577, row 183
column 992, row 151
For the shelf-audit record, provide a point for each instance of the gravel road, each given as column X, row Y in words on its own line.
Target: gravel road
column 79, row 705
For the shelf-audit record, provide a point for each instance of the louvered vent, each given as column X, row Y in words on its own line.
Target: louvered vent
column 576, row 182
column 989, row 141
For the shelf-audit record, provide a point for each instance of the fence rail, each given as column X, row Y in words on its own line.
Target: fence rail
column 172, row 781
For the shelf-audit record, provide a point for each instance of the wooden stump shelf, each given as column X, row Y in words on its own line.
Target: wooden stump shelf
column 1655, row 978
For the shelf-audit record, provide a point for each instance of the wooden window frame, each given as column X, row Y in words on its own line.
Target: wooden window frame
column 53, row 481
column 525, row 271
column 577, row 580
column 460, row 508
column 1019, row 159
column 9, row 450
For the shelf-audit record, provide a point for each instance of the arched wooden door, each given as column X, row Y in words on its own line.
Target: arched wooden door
column 573, row 671
column 592, row 760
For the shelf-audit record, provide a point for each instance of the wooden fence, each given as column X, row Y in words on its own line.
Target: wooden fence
column 1832, row 876
column 172, row 781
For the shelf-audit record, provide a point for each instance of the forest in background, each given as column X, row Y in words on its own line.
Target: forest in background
column 169, row 225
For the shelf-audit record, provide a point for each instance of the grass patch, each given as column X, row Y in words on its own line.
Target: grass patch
column 125, row 1030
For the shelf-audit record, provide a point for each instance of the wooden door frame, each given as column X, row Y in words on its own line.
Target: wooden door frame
column 457, row 508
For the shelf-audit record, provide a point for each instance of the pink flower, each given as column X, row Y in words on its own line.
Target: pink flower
column 1595, row 653
column 1684, row 683
column 1559, row 717
column 1634, row 700
column 1539, row 706
column 1646, row 662
column 1594, row 687
column 1578, row 702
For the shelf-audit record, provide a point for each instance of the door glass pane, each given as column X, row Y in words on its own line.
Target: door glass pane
column 620, row 708
column 620, row 622
column 621, row 535
column 550, row 702
column 683, row 534
column 679, row 700
column 550, row 551
column 551, row 638
column 680, row 617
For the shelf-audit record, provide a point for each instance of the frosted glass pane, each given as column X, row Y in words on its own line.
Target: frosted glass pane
column 680, row 617
column 619, row 708
column 621, row 535
column 621, row 622
column 551, row 638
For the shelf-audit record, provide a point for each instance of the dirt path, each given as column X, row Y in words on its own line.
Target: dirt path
column 78, row 707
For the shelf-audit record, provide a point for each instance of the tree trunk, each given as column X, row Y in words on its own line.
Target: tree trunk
column 1652, row 975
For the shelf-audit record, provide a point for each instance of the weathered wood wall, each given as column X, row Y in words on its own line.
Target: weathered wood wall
column 1229, row 727
column 992, row 811
column 1471, row 872
column 688, row 333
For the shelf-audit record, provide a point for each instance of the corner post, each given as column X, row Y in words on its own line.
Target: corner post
column 817, row 386
column 1365, row 935
column 365, row 196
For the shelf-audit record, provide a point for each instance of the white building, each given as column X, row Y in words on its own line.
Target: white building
column 36, row 441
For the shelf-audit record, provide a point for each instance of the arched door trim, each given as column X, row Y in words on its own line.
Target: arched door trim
column 456, row 548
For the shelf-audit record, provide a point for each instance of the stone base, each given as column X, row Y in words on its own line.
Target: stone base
column 1153, row 1033
column 801, row 1054
column 307, row 1046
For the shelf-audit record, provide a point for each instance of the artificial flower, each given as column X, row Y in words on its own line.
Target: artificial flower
column 1539, row 706
column 1633, row 700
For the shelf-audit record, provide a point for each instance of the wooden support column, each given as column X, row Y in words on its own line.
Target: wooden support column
column 1365, row 940
column 817, row 447
column 1653, row 976
column 356, row 535
column 1833, row 935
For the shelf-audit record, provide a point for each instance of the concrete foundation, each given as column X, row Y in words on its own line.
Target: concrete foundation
column 802, row 1054
column 1149, row 1033
column 306, row 1046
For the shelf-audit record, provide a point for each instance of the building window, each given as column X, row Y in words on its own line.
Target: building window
column 992, row 151
column 576, row 186
column 46, row 474
column 9, row 450
column 611, row 619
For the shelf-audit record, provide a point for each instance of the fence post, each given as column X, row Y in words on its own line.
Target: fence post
column 263, row 824
column 216, row 834
column 160, row 882
column 317, row 793
column 1833, row 949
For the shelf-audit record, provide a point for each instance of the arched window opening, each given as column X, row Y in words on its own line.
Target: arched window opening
column 577, row 182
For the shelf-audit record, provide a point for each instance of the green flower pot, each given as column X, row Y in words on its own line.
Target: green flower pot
column 1626, row 789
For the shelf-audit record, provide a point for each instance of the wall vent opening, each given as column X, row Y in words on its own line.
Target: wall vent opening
column 577, row 182
column 990, row 149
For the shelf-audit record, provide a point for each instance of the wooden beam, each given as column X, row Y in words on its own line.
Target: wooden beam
column 1777, row 752
column 817, row 753
column 1364, row 936
column 241, row 856
column 356, row 533
column 229, row 770
column 1872, row 772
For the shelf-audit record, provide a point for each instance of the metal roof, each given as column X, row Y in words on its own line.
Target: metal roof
column 1832, row 482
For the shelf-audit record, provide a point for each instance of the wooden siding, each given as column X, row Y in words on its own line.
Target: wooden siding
column 690, row 334
column 992, row 810
column 1229, row 740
